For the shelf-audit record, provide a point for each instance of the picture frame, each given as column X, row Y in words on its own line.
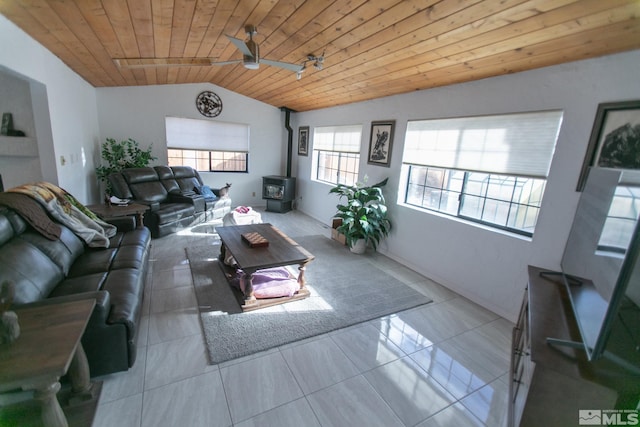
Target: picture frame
column 615, row 137
column 303, row 141
column 381, row 142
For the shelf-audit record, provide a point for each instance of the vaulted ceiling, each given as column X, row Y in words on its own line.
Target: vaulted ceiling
column 372, row 48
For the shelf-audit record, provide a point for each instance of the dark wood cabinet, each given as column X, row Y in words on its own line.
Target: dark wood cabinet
column 551, row 384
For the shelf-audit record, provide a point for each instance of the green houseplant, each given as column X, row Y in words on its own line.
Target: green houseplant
column 121, row 155
column 364, row 214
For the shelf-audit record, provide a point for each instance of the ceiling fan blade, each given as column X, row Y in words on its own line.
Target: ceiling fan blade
column 285, row 65
column 237, row 61
column 161, row 62
column 241, row 45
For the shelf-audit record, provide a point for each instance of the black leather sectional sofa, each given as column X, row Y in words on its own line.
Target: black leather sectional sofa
column 46, row 271
column 176, row 195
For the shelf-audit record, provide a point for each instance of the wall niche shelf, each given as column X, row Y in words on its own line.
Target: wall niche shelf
column 18, row 146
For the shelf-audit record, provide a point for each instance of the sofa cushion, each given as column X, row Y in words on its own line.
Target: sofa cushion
column 76, row 285
column 145, row 185
column 34, row 274
column 62, row 252
column 171, row 212
column 165, row 174
column 93, row 261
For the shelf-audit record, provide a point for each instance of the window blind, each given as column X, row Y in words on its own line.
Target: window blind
column 206, row 135
column 512, row 144
column 338, row 138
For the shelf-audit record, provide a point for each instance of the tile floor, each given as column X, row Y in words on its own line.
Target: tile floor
column 441, row 364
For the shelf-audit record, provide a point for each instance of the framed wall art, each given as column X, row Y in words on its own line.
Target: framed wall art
column 615, row 138
column 381, row 142
column 303, row 141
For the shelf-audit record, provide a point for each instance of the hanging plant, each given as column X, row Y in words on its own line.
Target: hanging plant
column 121, row 155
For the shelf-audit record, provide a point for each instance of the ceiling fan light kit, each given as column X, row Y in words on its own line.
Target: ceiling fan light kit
column 250, row 58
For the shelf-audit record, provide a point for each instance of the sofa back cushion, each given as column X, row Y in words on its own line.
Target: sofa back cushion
column 187, row 177
column 165, row 174
column 145, row 185
column 33, row 272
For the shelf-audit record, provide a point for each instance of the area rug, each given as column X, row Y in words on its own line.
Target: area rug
column 346, row 289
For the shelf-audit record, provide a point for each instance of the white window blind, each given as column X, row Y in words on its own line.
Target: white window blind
column 338, row 138
column 206, row 135
column 512, row 144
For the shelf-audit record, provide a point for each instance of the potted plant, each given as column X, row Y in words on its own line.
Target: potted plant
column 364, row 215
column 121, row 155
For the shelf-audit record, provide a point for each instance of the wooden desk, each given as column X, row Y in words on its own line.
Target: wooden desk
column 282, row 250
column 48, row 347
column 107, row 212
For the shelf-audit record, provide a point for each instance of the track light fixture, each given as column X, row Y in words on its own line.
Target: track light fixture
column 317, row 64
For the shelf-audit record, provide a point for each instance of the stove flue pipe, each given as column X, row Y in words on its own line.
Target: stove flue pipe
column 287, row 126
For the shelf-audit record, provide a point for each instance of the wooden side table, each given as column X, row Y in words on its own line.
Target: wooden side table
column 107, row 212
column 48, row 348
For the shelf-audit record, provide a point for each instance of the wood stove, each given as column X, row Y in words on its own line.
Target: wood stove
column 279, row 192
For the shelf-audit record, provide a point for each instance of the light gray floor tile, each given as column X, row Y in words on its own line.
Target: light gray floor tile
column 258, row 385
column 294, row 414
column 193, row 402
column 490, row 403
column 175, row 360
column 318, row 364
column 366, row 347
column 171, row 325
column 454, row 415
column 353, row 402
column 125, row 412
column 409, row 390
column 459, row 370
column 173, row 278
column 173, row 299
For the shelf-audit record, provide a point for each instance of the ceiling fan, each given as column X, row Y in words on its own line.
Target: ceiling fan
column 250, row 58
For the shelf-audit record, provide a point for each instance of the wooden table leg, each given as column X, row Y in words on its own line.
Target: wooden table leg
column 52, row 415
column 79, row 375
column 249, row 296
column 301, row 280
column 140, row 220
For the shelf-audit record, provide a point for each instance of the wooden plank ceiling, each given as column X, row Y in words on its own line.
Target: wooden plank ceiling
column 373, row 48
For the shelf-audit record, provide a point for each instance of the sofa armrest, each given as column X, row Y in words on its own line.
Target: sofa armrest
column 101, row 309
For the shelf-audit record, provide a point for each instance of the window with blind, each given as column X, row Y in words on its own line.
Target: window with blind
column 489, row 169
column 336, row 154
column 207, row 146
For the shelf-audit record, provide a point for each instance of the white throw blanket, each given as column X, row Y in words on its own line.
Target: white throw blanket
column 70, row 212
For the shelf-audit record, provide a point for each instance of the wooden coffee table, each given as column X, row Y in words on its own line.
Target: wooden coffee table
column 281, row 251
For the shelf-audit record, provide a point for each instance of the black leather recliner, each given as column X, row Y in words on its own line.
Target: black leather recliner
column 174, row 194
column 48, row 271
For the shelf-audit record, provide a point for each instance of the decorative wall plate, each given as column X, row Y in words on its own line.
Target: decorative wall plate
column 209, row 104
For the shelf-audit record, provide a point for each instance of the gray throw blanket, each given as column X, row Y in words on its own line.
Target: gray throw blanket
column 64, row 208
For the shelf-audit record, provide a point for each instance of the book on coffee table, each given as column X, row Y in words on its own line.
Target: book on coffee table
column 255, row 240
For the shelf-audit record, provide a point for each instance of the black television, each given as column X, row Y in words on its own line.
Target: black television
column 601, row 267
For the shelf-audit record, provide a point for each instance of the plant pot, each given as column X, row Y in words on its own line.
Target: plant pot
column 359, row 247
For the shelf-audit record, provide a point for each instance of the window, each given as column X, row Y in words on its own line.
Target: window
column 207, row 146
column 621, row 220
column 336, row 154
column 489, row 169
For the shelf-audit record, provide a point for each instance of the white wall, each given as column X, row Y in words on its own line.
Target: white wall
column 139, row 113
column 68, row 103
column 487, row 266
